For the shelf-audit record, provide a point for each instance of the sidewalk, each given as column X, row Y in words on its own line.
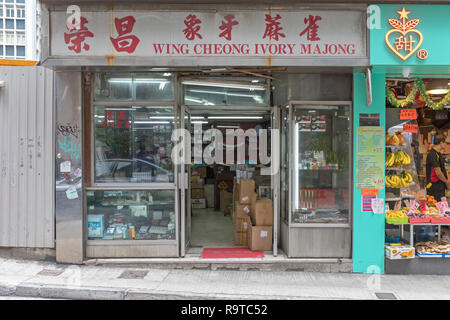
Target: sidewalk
column 25, row 278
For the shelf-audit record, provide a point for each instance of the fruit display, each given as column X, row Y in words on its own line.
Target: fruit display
column 431, row 201
column 397, row 159
column 401, row 180
column 395, row 214
column 433, row 247
column 395, row 140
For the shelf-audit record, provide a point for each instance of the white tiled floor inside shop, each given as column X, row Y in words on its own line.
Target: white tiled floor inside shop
column 211, row 229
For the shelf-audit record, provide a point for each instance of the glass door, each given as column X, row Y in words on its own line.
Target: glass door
column 321, row 163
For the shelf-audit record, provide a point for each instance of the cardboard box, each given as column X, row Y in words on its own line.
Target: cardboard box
column 241, row 238
column 196, row 183
column 226, row 199
column 241, row 210
column 261, row 212
column 209, row 195
column 242, row 224
column 397, row 252
column 197, row 193
column 246, row 188
column 260, row 238
column 198, row 203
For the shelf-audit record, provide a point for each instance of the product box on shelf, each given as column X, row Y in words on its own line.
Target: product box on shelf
column 96, row 225
column 260, row 238
column 399, row 251
column 261, row 212
column 197, row 193
column 196, row 182
column 198, row 203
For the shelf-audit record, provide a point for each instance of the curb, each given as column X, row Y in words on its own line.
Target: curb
column 36, row 290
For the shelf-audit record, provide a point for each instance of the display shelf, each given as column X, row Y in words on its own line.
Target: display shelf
column 393, row 199
column 432, row 255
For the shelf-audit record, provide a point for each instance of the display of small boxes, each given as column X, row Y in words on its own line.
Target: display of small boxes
column 399, row 251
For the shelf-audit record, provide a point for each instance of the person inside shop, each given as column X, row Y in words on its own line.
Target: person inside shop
column 437, row 180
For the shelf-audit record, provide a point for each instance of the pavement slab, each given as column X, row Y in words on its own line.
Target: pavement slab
column 36, row 280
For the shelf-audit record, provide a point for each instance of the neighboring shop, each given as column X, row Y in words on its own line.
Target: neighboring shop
column 122, row 89
column 408, row 232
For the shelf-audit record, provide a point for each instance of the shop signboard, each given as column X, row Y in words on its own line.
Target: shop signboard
column 370, row 158
column 411, row 35
column 114, row 34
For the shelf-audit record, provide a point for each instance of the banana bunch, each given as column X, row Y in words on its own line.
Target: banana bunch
column 398, row 181
column 397, row 159
column 395, row 214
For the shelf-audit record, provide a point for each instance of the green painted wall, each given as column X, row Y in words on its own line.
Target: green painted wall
column 434, row 24
column 368, row 228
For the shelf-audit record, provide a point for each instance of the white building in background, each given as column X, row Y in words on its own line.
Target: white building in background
column 19, row 23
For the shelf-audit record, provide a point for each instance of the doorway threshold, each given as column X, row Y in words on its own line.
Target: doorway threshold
column 269, row 263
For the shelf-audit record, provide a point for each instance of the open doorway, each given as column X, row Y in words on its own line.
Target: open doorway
column 230, row 108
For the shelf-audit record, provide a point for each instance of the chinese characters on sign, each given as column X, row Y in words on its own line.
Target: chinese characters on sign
column 252, row 33
column 407, row 127
column 407, row 39
column 75, row 38
column 370, row 158
column 408, row 114
column 125, row 41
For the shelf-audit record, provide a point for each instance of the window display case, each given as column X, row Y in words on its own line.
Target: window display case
column 321, row 168
column 131, row 215
column 133, row 144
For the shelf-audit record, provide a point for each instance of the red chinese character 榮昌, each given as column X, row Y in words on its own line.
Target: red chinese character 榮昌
column 125, row 41
column 192, row 27
column 273, row 27
column 311, row 28
column 227, row 26
column 76, row 37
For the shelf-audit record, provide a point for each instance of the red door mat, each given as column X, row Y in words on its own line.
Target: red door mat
column 230, row 253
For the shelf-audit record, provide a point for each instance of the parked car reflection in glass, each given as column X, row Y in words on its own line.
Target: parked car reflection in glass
column 130, row 171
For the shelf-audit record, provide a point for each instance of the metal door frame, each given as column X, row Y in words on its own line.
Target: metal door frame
column 185, row 188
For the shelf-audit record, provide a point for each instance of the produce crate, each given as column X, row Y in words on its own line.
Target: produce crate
column 397, row 220
column 392, row 239
column 419, row 220
column 440, row 220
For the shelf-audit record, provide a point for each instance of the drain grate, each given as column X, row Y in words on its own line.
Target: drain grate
column 50, row 272
column 385, row 296
column 136, row 274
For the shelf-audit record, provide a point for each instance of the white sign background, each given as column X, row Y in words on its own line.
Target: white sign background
column 345, row 28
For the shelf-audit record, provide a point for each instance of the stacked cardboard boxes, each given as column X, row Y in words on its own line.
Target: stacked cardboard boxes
column 197, row 193
column 260, row 231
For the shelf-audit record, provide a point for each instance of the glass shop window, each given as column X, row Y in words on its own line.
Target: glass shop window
column 321, row 164
column 133, row 144
column 131, row 215
column 224, row 92
column 133, row 87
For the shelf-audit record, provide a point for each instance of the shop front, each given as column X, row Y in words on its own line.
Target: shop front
column 409, row 110
column 128, row 81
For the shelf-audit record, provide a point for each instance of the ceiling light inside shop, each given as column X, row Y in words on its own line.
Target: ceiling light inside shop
column 235, row 117
column 160, row 117
column 437, row 86
column 228, row 127
column 140, row 80
column 152, row 122
column 224, row 85
column 199, row 122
